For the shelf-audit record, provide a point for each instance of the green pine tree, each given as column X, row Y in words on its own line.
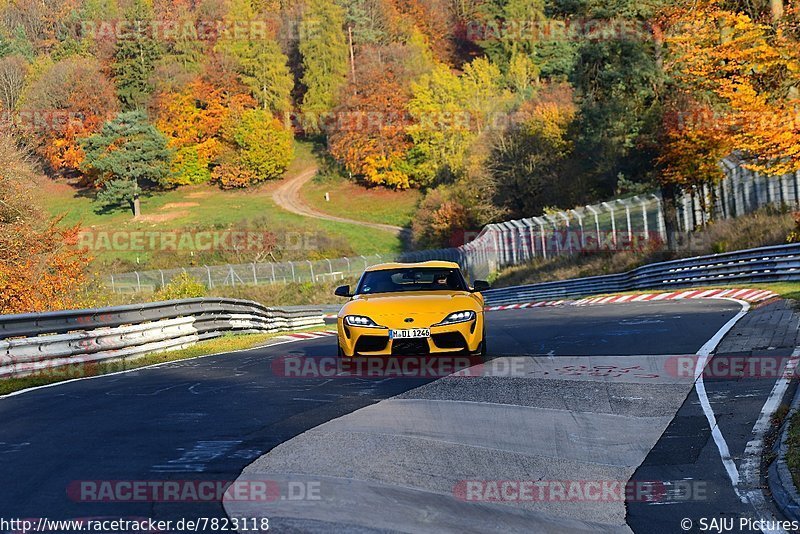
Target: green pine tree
column 125, row 155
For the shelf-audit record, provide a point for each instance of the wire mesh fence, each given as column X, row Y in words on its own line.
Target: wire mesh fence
column 625, row 224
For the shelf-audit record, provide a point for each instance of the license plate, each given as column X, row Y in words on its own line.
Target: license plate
column 411, row 333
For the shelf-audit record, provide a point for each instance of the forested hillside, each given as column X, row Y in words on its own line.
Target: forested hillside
column 492, row 108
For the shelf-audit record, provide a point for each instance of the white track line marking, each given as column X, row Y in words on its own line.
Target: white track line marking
column 699, row 385
column 750, row 481
column 722, row 446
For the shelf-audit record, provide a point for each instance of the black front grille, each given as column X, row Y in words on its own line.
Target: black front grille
column 371, row 343
column 450, row 340
column 407, row 347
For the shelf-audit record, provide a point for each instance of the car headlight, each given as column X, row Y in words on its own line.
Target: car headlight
column 459, row 317
column 360, row 320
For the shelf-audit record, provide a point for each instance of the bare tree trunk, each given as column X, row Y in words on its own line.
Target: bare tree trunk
column 352, row 57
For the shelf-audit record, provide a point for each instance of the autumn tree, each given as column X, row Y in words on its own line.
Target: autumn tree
column 260, row 62
column 259, row 149
column 192, row 120
column 369, row 138
column 323, row 48
column 13, row 70
column 449, row 113
column 66, row 102
column 127, row 154
column 530, row 158
column 41, row 268
column 135, row 57
column 749, row 71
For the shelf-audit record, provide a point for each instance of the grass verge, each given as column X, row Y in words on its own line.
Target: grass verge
column 350, row 200
column 227, row 343
column 206, row 207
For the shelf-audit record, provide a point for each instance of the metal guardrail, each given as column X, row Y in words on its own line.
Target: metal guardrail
column 35, row 341
column 767, row 264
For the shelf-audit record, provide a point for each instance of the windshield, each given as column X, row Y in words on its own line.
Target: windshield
column 413, row 279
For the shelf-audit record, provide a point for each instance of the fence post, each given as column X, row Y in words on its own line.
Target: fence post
column 662, row 227
column 613, row 223
column 784, row 191
column 565, row 216
column 208, row 271
column 162, row 277
column 627, row 218
column 645, row 225
column 596, row 223
column 273, row 271
column 113, row 287
column 348, row 264
column 255, row 276
column 311, row 268
column 138, row 282
column 365, row 262
column 797, row 188
column 292, row 266
column 580, row 225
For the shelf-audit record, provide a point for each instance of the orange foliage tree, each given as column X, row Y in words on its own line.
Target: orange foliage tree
column 747, row 74
column 68, row 102
column 40, row 266
column 192, row 120
column 368, row 136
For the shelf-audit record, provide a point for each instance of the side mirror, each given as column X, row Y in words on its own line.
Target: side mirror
column 480, row 285
column 343, row 291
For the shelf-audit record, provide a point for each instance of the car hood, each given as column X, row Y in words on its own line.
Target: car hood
column 422, row 303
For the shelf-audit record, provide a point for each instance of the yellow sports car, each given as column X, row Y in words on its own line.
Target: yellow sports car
column 410, row 309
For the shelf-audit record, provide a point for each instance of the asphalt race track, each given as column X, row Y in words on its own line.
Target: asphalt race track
column 594, row 399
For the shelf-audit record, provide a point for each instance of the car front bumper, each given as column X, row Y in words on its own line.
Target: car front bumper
column 458, row 337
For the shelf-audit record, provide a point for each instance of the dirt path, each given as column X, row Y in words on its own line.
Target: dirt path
column 287, row 196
